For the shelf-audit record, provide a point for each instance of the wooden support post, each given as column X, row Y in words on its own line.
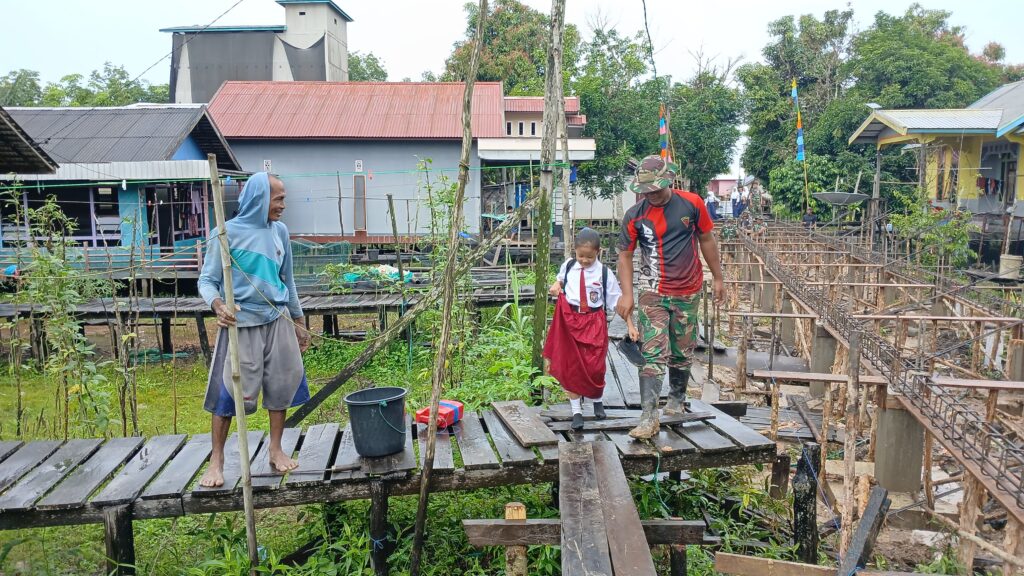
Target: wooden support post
column 780, row 477
column 515, row 556
column 166, row 346
column 850, row 445
column 677, row 560
column 974, row 498
column 120, row 540
column 858, row 550
column 741, row 357
column 204, row 340
column 805, row 504
column 380, row 549
column 1013, row 544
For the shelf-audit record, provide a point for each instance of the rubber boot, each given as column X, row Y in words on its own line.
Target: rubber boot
column 577, row 421
column 678, row 378
column 599, row 412
column 650, row 389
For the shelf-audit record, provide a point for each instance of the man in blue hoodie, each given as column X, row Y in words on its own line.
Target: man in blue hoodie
column 271, row 332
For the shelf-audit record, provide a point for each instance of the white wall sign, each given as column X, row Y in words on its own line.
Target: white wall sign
column 266, row 166
column 359, row 165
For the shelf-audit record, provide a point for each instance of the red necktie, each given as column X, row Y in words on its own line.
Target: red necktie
column 584, row 304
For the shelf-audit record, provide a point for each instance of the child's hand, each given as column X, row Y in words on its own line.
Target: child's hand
column 555, row 289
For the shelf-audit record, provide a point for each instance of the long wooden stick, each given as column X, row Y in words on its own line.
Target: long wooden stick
column 236, row 375
column 448, row 288
column 850, row 446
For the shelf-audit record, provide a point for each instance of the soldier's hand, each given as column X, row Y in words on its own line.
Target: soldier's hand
column 718, row 291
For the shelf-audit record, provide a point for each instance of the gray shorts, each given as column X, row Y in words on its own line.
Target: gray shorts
column 270, row 363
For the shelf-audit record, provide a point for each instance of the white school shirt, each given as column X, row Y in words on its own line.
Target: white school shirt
column 592, row 275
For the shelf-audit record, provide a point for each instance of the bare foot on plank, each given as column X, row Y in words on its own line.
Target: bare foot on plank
column 214, row 476
column 281, row 463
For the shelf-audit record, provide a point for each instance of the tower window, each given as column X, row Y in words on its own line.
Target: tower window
column 302, row 13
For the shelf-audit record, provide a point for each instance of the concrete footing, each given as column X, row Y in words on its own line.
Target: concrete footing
column 823, row 356
column 787, row 332
column 900, row 449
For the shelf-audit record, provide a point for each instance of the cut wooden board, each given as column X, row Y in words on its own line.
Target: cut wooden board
column 314, row 455
column 629, row 423
column 129, row 482
column 179, row 472
column 630, row 552
column 7, row 447
column 584, row 533
column 510, row 451
column 232, row 464
column 745, row 437
column 524, row 423
column 444, row 460
column 394, row 463
column 45, row 476
column 264, row 477
column 473, row 445
column 80, row 483
column 26, row 458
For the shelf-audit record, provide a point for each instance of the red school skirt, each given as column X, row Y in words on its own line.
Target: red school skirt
column 576, row 347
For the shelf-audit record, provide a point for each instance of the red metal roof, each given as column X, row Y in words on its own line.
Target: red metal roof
column 357, row 110
column 576, row 120
column 536, row 104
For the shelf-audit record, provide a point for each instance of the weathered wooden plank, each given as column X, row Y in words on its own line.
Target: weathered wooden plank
column 130, row 481
column 707, row 439
column 42, row 478
column 180, row 471
column 398, row 462
column 629, row 447
column 473, row 445
column 863, row 541
column 548, row 531
column 7, row 447
column 562, row 412
column 629, row 550
column 314, row 455
column 232, row 465
column 444, row 460
column 348, row 463
column 751, row 566
column 508, row 449
column 627, row 375
column 80, row 483
column 25, row 459
column 524, row 423
column 629, row 423
column 742, row 435
column 612, row 396
column 584, row 533
column 264, row 477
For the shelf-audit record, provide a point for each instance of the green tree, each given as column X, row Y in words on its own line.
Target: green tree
column 515, row 48
column 705, row 125
column 20, row 88
column 110, row 86
column 366, row 68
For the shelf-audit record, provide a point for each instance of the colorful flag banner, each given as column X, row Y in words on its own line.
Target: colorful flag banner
column 799, row 126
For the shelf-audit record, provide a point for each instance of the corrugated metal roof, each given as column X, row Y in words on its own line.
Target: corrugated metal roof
column 104, row 171
column 213, row 29
column 955, row 119
column 536, row 104
column 122, row 134
column 576, row 120
column 355, row 110
column 18, row 153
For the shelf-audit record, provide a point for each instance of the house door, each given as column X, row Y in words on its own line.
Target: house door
column 161, row 215
column 359, row 203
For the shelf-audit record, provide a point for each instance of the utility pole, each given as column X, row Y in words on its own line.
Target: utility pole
column 549, row 142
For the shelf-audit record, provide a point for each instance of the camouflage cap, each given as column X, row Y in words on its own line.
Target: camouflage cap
column 653, row 174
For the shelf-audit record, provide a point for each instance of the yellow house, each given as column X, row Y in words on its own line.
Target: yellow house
column 970, row 154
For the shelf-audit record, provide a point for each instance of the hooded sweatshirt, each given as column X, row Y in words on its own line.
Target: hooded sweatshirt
column 261, row 260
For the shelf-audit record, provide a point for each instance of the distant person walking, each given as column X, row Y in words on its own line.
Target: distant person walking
column 734, row 202
column 667, row 225
column 810, row 219
column 271, row 336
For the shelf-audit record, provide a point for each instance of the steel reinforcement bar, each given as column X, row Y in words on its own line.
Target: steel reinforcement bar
column 981, row 448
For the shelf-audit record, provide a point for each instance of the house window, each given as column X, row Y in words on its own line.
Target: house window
column 359, row 203
column 520, row 128
column 302, row 13
column 533, row 128
column 508, row 128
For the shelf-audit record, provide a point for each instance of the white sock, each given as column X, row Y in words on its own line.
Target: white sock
column 577, row 405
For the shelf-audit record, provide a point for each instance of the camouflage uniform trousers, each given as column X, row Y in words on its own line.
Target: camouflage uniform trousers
column 668, row 330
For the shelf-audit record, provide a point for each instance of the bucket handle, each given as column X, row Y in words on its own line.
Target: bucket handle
column 380, row 406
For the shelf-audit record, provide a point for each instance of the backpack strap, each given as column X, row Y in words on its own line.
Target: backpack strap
column 604, row 285
column 568, row 266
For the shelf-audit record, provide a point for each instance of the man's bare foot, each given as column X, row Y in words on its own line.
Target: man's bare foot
column 280, row 462
column 214, row 476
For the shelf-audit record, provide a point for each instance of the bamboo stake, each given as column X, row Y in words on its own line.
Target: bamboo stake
column 448, row 288
column 850, row 445
column 236, row 375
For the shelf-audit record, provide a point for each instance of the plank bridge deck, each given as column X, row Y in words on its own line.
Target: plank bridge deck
column 47, row 482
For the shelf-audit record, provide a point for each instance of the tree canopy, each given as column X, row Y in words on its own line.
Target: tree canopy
column 366, row 68
column 109, row 86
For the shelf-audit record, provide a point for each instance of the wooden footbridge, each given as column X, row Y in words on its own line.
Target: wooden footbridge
column 116, row 481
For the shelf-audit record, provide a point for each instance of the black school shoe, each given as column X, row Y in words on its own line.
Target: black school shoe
column 631, row 350
column 577, row 421
column 599, row 412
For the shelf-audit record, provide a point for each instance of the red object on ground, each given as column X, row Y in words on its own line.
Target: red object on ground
column 576, row 346
column 448, row 413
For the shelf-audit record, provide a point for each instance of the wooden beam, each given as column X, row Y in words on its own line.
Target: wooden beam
column 950, row 382
column 547, row 531
column 751, row 566
column 929, row 318
column 815, row 377
column 863, row 541
column 120, row 540
column 756, row 314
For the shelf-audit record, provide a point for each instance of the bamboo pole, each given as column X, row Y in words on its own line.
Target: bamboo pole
column 236, row 375
column 850, row 445
column 448, row 288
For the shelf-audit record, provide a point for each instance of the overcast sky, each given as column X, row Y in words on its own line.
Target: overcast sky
column 59, row 37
